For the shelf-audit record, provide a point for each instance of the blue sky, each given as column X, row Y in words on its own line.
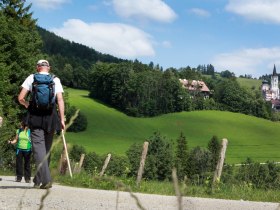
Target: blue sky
column 242, row 36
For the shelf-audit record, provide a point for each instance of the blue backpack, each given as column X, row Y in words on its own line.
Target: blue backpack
column 43, row 92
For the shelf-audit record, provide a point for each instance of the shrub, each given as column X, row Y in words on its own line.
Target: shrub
column 76, row 152
column 199, row 164
column 92, row 163
column 215, row 148
column 134, row 155
column 181, row 159
column 69, row 111
column 228, row 174
column 118, row 166
column 7, row 156
column 273, row 180
column 159, row 158
column 79, row 124
column 259, row 175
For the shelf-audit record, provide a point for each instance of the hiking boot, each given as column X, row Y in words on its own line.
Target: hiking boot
column 46, row 186
column 18, row 179
column 27, row 181
column 36, row 186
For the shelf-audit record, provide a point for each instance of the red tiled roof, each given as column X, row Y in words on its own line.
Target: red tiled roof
column 194, row 84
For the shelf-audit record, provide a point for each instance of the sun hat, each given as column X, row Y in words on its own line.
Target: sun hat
column 43, row 63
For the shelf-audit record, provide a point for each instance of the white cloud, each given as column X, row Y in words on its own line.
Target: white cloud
column 200, row 12
column 148, row 9
column 116, row 39
column 49, row 4
column 256, row 62
column 258, row 10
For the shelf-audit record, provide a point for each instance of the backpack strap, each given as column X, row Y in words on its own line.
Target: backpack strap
column 52, row 87
column 28, row 133
column 19, row 130
column 34, row 89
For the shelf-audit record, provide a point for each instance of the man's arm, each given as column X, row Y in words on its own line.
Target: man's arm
column 60, row 103
column 21, row 97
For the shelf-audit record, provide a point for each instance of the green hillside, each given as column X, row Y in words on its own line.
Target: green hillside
column 250, row 83
column 112, row 131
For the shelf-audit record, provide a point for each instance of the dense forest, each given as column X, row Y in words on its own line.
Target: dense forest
column 71, row 61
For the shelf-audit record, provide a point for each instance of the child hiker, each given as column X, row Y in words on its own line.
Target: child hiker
column 23, row 152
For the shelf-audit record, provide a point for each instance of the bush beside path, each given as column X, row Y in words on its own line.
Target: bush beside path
column 14, row 195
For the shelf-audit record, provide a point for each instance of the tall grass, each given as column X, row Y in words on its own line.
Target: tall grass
column 110, row 131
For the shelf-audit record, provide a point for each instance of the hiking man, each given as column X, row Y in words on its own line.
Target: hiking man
column 23, row 152
column 42, row 122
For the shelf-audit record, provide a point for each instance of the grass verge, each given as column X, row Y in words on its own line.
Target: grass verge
column 222, row 191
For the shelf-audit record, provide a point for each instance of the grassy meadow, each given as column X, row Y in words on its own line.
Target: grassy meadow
column 110, row 131
column 244, row 82
column 249, row 83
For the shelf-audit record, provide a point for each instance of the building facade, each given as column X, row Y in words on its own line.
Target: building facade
column 197, row 86
column 271, row 91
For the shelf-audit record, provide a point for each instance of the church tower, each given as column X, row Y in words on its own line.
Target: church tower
column 274, row 84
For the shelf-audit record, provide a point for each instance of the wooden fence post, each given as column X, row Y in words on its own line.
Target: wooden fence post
column 62, row 163
column 78, row 166
column 142, row 162
column 176, row 188
column 220, row 164
column 81, row 162
column 105, row 164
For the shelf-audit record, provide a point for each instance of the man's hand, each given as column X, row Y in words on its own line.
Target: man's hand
column 26, row 104
column 62, row 124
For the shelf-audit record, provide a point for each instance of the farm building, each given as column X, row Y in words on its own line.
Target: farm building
column 196, row 86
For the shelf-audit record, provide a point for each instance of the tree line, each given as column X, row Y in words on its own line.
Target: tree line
column 139, row 90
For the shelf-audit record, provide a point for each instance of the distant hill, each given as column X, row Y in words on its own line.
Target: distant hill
column 250, row 83
column 110, row 131
column 54, row 45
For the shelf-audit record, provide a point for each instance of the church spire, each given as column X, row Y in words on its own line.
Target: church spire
column 274, row 71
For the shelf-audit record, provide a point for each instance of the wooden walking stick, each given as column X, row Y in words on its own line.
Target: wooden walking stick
column 66, row 152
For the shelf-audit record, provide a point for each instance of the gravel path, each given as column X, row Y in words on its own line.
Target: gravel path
column 14, row 195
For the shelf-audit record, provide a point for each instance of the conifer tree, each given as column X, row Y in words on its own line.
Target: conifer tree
column 19, row 51
column 215, row 148
column 17, row 10
column 181, row 160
